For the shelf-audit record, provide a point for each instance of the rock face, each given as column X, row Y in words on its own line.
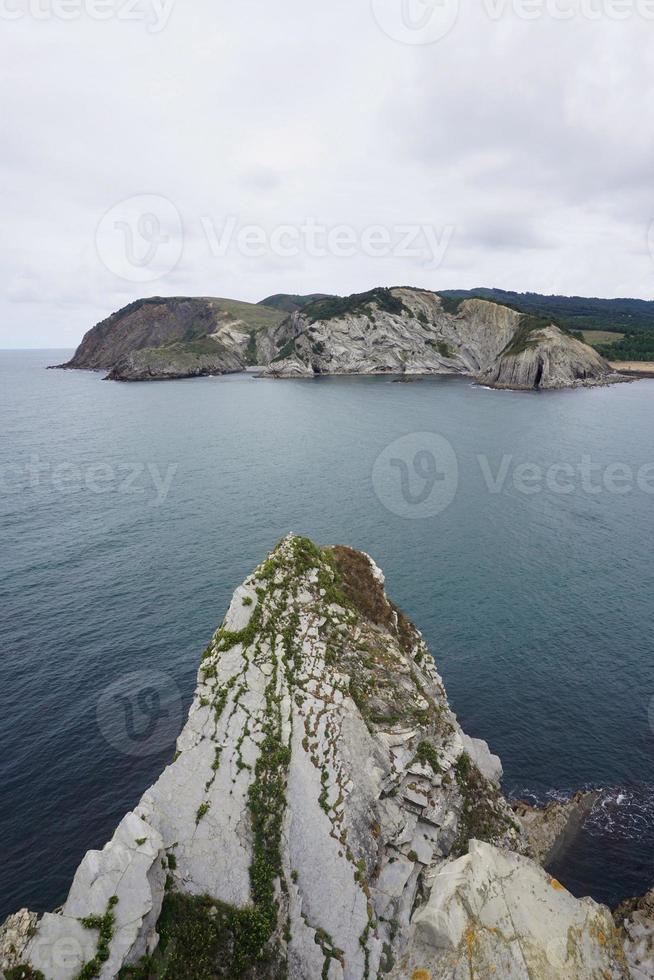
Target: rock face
column 636, row 920
column 323, row 817
column 546, row 358
column 172, row 336
column 15, row 933
column 550, row 828
column 410, row 331
column 207, row 356
column 407, row 332
column 513, row 921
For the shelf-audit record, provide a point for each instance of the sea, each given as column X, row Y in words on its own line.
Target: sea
column 514, row 529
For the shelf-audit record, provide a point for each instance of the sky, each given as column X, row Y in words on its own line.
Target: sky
column 196, row 147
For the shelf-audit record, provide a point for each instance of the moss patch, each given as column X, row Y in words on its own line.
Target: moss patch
column 202, row 939
column 483, row 816
column 23, row 973
column 105, row 924
column 524, row 338
column 428, row 755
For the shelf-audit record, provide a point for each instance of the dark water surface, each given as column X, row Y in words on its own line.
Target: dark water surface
column 536, row 605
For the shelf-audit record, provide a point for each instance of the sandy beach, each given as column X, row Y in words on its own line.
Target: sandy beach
column 644, row 368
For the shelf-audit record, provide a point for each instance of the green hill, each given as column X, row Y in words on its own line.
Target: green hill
column 627, row 316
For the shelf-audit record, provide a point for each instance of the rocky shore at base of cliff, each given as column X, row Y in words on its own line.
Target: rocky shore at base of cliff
column 325, row 816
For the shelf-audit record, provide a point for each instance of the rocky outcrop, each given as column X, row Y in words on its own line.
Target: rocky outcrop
column 168, row 330
column 513, row 920
column 398, row 331
column 15, row 933
column 195, row 359
column 324, row 816
column 549, row 829
column 413, row 332
column 635, row 918
column 546, row 357
column 489, row 765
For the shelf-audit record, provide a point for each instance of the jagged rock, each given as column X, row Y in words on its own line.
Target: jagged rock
column 489, row 765
column 414, row 332
column 551, row 828
column 291, row 835
column 493, row 913
column 546, row 357
column 15, row 934
column 636, row 920
column 130, row 869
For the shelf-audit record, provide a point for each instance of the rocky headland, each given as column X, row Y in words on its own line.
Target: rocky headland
column 175, row 337
column 403, row 332
column 324, row 816
column 416, row 332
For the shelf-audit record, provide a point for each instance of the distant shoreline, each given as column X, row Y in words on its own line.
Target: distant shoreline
column 642, row 369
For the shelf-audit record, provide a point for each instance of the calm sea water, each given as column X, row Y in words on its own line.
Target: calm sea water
column 536, row 605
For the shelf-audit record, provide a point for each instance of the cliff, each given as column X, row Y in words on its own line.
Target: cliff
column 175, row 336
column 410, row 331
column 324, row 816
column 542, row 356
column 193, row 359
column 385, row 331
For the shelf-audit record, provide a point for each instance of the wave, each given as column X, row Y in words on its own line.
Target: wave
column 621, row 812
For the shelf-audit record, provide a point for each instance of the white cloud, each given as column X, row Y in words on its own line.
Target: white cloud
column 531, row 138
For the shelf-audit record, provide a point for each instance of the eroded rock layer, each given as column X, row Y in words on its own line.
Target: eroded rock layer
column 166, row 337
column 384, row 331
column 324, row 816
column 412, row 331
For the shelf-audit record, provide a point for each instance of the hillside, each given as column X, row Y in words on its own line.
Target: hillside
column 573, row 312
column 291, row 303
column 161, row 322
column 631, row 347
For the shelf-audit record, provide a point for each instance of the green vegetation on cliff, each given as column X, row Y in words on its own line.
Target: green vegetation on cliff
column 571, row 312
column 336, row 306
column 291, row 302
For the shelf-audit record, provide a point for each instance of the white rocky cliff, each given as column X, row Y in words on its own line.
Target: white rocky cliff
column 399, row 331
column 324, row 817
column 414, row 332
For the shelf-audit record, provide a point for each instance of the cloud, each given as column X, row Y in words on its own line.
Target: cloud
column 529, row 139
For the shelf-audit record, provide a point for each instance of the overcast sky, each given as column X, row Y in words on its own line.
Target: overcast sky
column 241, row 149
